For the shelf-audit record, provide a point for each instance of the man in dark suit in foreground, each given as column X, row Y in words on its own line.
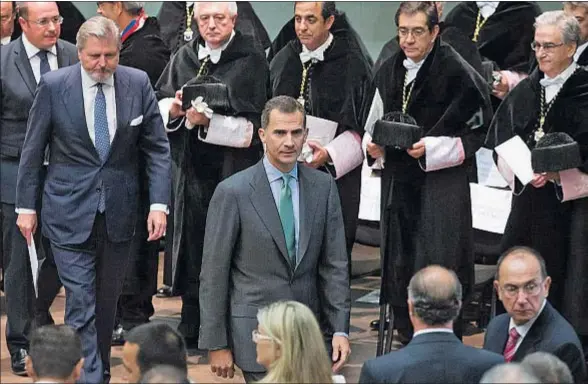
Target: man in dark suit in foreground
column 435, row 354
column 531, row 324
column 273, row 232
column 99, row 120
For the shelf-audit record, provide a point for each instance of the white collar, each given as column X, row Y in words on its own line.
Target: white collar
column 580, row 50
column 88, row 82
column 32, row 50
column 215, row 54
column 562, row 77
column 487, row 8
column 523, row 329
column 5, row 40
column 432, row 330
column 189, row 3
column 318, row 54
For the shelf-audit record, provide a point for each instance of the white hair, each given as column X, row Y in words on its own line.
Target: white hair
column 231, row 5
column 99, row 27
column 567, row 25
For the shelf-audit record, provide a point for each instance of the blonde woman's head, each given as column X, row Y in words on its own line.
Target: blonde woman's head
column 290, row 345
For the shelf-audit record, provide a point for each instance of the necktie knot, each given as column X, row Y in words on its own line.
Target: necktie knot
column 409, row 64
column 44, row 65
column 514, row 334
column 546, row 82
column 42, row 54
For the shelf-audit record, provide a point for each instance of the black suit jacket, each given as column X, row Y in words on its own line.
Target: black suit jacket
column 550, row 333
column 431, row 358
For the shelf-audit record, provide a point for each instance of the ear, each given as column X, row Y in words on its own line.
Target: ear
column 547, row 285
column 435, row 32
column 262, row 133
column 497, row 289
column 22, row 22
column 29, row 368
column 572, row 49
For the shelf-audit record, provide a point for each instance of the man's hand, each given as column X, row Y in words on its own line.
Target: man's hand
column 501, row 88
column 341, row 352
column 156, row 225
column 221, row 363
column 552, row 176
column 320, row 155
column 374, row 150
column 27, row 223
column 418, row 149
column 175, row 110
column 539, row 181
column 196, row 118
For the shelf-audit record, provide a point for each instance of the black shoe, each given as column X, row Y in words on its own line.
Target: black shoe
column 164, row 291
column 118, row 336
column 375, row 324
column 17, row 362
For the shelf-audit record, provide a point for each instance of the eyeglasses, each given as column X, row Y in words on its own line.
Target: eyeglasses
column 531, row 289
column 57, row 20
column 416, row 32
column 257, row 337
column 547, row 47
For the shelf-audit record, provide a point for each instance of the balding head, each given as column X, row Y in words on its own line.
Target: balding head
column 434, row 296
column 548, row 368
column 40, row 22
column 509, row 373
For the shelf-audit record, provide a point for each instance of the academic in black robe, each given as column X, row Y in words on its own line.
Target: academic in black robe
column 539, row 219
column 198, row 167
column 337, row 90
column 341, row 28
column 172, row 18
column 426, row 216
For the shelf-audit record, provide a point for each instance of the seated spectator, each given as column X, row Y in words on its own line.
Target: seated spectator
column 163, row 374
column 548, row 368
column 435, row 354
column 150, row 345
column 531, row 324
column 509, row 373
column 55, row 355
column 290, row 345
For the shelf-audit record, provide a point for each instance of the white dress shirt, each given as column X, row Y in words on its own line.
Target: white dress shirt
column 89, row 90
column 487, row 8
column 318, row 54
column 553, row 85
column 214, row 53
column 36, row 61
column 432, row 330
column 580, row 50
column 412, row 68
column 5, row 40
column 523, row 329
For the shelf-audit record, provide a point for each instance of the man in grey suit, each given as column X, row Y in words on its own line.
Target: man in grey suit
column 99, row 119
column 273, row 232
column 22, row 63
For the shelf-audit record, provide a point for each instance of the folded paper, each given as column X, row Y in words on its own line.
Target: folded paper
column 227, row 131
column 574, row 184
column 515, row 153
column 320, row 131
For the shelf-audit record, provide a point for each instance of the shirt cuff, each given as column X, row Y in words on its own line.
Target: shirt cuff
column 341, row 334
column 25, row 211
column 159, row 208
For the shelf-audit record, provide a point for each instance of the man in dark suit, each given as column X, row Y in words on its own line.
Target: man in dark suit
column 37, row 51
column 273, row 232
column 99, row 119
column 531, row 324
column 435, row 354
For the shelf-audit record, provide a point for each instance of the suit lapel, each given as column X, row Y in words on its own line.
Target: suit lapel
column 63, row 59
column 533, row 337
column 499, row 340
column 24, row 67
column 307, row 207
column 124, row 105
column 262, row 199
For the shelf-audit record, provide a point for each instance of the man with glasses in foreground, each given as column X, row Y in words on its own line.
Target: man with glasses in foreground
column 531, row 324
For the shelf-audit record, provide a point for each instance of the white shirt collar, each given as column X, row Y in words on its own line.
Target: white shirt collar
column 487, row 8
column 523, row 329
column 32, row 50
column 5, row 40
column 432, row 330
column 214, row 54
column 580, row 50
column 318, row 54
column 88, row 82
column 564, row 75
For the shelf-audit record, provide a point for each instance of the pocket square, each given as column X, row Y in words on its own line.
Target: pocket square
column 137, row 121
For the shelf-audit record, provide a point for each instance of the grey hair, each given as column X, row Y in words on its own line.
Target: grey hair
column 165, row 374
column 567, row 25
column 509, row 373
column 133, row 7
column 232, row 5
column 99, row 27
column 284, row 104
column 434, row 301
column 548, row 368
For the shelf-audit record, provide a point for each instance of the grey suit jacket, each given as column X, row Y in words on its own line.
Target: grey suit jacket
column 17, row 91
column 76, row 174
column 245, row 263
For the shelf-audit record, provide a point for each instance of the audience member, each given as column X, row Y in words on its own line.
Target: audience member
column 161, row 374
column 548, row 368
column 7, row 13
column 531, row 323
column 509, row 374
column 55, row 355
column 434, row 302
column 150, row 345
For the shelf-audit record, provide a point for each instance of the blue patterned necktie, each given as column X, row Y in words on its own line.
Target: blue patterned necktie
column 102, row 138
column 286, row 212
column 44, row 62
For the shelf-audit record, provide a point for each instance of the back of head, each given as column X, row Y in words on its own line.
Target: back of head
column 165, row 374
column 159, row 344
column 509, row 373
column 303, row 356
column 435, row 293
column 548, row 368
column 55, row 351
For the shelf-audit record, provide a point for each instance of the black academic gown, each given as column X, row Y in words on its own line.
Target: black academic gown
column 197, row 167
column 426, row 216
column 538, row 218
column 172, row 18
column 341, row 28
column 337, row 88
